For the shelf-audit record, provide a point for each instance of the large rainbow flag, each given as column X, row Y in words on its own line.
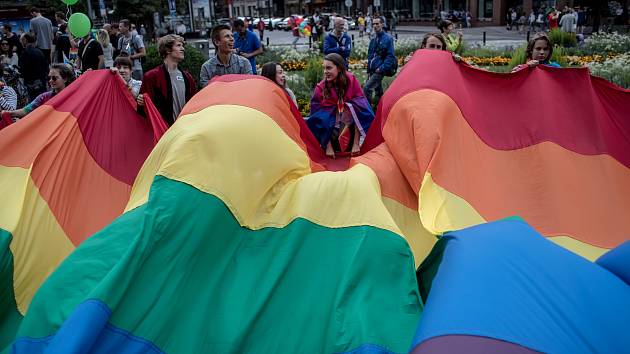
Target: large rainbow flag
column 66, row 171
column 241, row 236
column 470, row 146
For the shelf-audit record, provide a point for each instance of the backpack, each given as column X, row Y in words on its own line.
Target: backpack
column 133, row 46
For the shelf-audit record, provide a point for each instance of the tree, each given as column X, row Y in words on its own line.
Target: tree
column 137, row 10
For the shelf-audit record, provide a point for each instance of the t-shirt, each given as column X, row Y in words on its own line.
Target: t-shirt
column 247, row 44
column 42, row 27
column 14, row 41
column 89, row 52
column 131, row 45
column 178, row 85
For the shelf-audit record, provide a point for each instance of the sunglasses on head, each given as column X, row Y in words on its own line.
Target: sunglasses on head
column 53, row 78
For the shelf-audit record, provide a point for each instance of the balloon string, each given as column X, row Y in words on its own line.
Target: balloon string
column 68, row 11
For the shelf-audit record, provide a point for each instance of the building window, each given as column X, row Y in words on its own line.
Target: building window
column 485, row 8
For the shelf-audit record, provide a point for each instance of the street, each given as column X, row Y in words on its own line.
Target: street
column 495, row 36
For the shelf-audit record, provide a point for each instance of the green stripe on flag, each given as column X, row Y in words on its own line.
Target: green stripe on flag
column 10, row 317
column 183, row 274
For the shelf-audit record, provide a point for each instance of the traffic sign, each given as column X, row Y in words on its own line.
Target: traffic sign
column 349, row 3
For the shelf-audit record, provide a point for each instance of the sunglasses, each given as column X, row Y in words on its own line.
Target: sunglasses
column 53, row 78
column 4, row 43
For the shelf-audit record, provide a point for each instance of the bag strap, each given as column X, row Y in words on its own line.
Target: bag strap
column 86, row 46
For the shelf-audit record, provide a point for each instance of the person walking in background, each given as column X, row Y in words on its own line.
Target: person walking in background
column 338, row 41
column 568, row 22
column 246, row 43
column 381, row 61
column 33, row 66
column 552, row 18
column 133, row 46
column 368, row 26
column 261, row 28
column 295, row 31
column 42, row 28
column 361, row 23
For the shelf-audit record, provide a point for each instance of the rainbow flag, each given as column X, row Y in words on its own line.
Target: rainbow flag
column 231, row 243
column 240, row 235
column 66, row 171
column 470, row 146
column 501, row 287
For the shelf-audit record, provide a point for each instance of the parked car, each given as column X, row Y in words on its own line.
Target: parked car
column 352, row 24
column 268, row 23
column 284, row 24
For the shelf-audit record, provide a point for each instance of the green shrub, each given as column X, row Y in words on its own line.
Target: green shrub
column 485, row 52
column 269, row 55
column 615, row 70
column 518, row 57
column 562, row 39
column 314, row 72
column 601, row 43
column 192, row 63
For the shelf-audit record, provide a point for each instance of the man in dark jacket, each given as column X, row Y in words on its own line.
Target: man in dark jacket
column 168, row 86
column 337, row 41
column 381, row 61
column 33, row 66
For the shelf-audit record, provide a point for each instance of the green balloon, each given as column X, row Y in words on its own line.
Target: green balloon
column 70, row 2
column 79, row 24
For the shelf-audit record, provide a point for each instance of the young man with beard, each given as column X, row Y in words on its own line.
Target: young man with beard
column 169, row 86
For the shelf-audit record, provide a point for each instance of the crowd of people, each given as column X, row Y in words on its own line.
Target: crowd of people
column 341, row 111
column 570, row 20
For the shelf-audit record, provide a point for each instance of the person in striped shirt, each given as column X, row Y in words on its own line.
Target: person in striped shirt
column 8, row 97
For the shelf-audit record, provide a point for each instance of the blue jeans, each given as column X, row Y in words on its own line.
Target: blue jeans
column 373, row 83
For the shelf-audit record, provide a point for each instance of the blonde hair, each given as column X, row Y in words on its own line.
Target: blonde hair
column 102, row 37
column 167, row 42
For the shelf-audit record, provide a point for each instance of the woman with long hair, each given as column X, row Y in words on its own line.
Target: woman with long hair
column 62, row 45
column 275, row 72
column 102, row 37
column 59, row 77
column 539, row 51
column 340, row 113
